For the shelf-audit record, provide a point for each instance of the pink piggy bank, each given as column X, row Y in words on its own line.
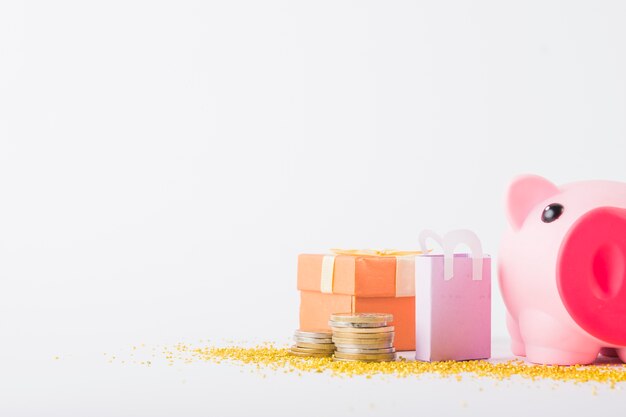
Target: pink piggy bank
column 562, row 270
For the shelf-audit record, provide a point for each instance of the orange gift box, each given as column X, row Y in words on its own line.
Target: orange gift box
column 355, row 283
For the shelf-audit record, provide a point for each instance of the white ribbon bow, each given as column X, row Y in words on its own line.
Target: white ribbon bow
column 449, row 243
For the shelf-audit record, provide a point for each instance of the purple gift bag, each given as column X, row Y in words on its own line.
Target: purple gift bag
column 453, row 300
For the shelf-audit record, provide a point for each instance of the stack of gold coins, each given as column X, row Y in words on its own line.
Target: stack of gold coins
column 363, row 337
column 318, row 344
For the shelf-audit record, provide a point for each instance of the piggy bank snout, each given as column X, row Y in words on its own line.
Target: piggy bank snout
column 591, row 273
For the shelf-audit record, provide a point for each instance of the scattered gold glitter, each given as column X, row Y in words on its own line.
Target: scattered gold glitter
column 274, row 358
column 271, row 357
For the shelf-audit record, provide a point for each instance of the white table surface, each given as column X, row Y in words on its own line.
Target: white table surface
column 85, row 382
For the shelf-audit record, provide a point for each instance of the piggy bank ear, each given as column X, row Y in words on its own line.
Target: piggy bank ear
column 525, row 192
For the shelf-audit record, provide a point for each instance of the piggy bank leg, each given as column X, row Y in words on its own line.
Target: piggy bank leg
column 551, row 342
column 517, row 344
column 608, row 352
column 621, row 354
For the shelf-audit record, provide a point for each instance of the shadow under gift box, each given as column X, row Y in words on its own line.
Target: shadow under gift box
column 347, row 283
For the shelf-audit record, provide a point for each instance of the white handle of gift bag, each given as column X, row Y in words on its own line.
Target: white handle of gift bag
column 449, row 242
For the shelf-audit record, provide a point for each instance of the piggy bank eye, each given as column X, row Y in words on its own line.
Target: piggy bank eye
column 552, row 212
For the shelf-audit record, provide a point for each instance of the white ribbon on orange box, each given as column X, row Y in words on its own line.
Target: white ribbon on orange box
column 328, row 272
column 405, row 276
column 405, row 268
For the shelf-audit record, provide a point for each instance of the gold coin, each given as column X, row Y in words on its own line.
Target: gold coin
column 310, row 354
column 311, row 340
column 316, row 346
column 361, row 317
column 361, row 360
column 363, row 356
column 379, row 336
column 314, row 334
column 386, row 329
column 303, row 349
column 357, row 325
column 367, row 350
column 362, row 341
column 351, row 345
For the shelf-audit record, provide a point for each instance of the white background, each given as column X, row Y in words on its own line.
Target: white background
column 163, row 163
